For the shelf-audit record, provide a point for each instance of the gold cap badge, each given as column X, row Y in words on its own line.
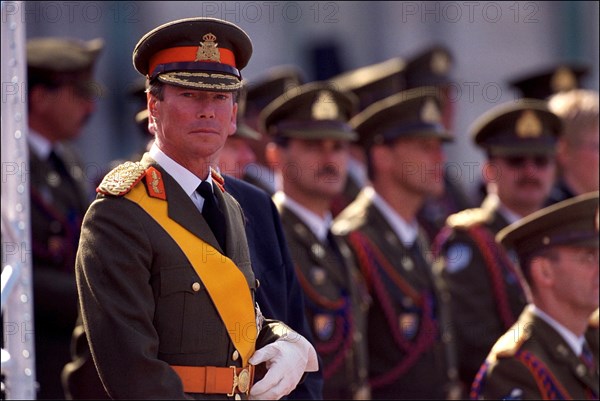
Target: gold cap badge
column 440, row 63
column 430, row 113
column 528, row 125
column 208, row 50
column 325, row 108
column 563, row 80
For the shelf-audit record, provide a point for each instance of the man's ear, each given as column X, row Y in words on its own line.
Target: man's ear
column 272, row 154
column 152, row 107
column 541, row 271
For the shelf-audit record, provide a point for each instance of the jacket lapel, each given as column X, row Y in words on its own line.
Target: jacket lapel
column 181, row 208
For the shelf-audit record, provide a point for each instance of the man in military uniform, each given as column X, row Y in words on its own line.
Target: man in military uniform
column 168, row 307
column 409, row 356
column 432, row 66
column 548, row 81
column 260, row 92
column 238, row 151
column 578, row 149
column 551, row 352
column 487, row 294
column 61, row 98
column 311, row 137
column 369, row 84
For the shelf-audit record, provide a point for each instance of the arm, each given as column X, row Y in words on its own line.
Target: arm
column 117, row 302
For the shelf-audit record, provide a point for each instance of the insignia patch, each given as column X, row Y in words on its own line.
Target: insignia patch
column 317, row 275
column 430, row 113
column 208, row 50
column 458, row 257
column 323, row 325
column 155, row 184
column 121, row 179
column 563, row 80
column 325, row 108
column 218, row 179
column 409, row 324
column 515, row 394
column 528, row 125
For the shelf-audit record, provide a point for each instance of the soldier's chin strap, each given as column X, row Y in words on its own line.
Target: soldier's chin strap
column 221, row 277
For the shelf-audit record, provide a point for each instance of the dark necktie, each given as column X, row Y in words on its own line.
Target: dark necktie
column 212, row 214
column 335, row 248
column 587, row 357
column 67, row 190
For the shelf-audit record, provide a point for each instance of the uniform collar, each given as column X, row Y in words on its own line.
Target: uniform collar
column 40, row 145
column 407, row 232
column 508, row 214
column 575, row 343
column 318, row 225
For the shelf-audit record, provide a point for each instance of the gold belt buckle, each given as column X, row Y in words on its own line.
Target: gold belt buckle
column 241, row 381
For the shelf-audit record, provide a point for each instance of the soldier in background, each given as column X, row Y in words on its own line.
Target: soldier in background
column 370, row 84
column 310, row 147
column 259, row 93
column 487, row 293
column 410, row 350
column 577, row 150
column 430, row 70
column 61, row 98
column 545, row 82
column 552, row 350
column 432, row 67
column 238, row 151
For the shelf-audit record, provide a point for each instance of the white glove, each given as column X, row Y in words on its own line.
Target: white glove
column 286, row 360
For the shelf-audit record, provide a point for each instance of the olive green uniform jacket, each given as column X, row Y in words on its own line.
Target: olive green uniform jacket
column 336, row 302
column 487, row 291
column 142, row 303
column 533, row 361
column 58, row 205
column 409, row 336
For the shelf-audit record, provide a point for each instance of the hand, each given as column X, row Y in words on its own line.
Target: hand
column 286, row 360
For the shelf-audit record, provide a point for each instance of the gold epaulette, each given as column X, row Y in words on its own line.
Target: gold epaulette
column 595, row 319
column 469, row 217
column 121, row 179
column 508, row 345
column 218, row 179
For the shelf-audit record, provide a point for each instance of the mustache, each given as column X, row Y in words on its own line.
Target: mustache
column 529, row 181
column 328, row 170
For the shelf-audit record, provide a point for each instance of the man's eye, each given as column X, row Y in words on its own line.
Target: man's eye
column 221, row 97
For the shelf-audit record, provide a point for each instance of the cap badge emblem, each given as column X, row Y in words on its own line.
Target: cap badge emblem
column 563, row 80
column 208, row 51
column 528, row 125
column 430, row 113
column 325, row 108
column 440, row 63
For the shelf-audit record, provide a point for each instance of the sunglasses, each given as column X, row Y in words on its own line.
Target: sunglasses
column 520, row 161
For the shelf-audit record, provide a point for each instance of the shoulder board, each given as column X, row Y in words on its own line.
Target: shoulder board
column 218, row 179
column 595, row 319
column 507, row 346
column 121, row 179
column 469, row 217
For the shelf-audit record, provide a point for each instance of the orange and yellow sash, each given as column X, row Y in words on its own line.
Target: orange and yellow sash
column 221, row 283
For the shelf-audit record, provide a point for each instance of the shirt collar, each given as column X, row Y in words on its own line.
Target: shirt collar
column 407, row 232
column 185, row 178
column 508, row 214
column 576, row 343
column 316, row 224
column 40, row 145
